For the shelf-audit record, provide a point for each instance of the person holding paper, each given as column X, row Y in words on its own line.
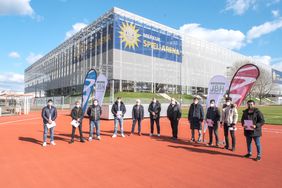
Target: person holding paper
column 174, row 115
column 137, row 116
column 155, row 110
column 49, row 115
column 118, row 110
column 212, row 119
column 229, row 120
column 77, row 115
column 195, row 118
column 94, row 112
column 252, row 120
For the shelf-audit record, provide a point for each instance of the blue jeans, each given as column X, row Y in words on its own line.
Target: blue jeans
column 120, row 122
column 249, row 144
column 45, row 132
column 95, row 124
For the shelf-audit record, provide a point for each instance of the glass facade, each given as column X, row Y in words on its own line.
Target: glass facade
column 136, row 54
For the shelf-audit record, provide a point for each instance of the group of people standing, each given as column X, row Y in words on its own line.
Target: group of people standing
column 214, row 118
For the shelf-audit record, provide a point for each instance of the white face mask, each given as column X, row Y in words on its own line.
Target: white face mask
column 95, row 103
column 173, row 102
column 228, row 103
column 212, row 104
column 119, row 101
column 154, row 101
column 50, row 104
column 196, row 102
column 77, row 105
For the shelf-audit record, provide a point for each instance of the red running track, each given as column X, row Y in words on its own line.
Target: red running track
column 136, row 161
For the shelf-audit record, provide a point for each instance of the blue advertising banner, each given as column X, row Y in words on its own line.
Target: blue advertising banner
column 89, row 82
column 136, row 37
column 276, row 76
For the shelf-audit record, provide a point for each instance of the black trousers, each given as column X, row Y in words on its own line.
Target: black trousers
column 215, row 131
column 174, row 127
column 80, row 132
column 232, row 133
column 157, row 120
column 139, row 120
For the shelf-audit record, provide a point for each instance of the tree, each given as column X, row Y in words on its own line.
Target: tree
column 262, row 86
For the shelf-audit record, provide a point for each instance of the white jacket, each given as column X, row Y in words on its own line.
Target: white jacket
column 229, row 115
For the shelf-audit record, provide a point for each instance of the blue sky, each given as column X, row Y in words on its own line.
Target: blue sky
column 31, row 28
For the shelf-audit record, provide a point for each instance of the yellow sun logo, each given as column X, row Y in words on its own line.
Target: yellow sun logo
column 129, row 35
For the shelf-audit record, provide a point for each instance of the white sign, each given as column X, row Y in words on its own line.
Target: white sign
column 216, row 90
column 100, row 88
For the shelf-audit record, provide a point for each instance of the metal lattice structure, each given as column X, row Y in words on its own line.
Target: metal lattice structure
column 173, row 67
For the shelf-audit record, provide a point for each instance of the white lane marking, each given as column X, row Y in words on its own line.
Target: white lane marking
column 9, row 122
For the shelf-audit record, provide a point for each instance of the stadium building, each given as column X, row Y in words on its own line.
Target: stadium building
column 135, row 53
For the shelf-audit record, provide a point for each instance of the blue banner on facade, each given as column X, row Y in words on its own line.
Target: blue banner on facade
column 136, row 37
column 276, row 76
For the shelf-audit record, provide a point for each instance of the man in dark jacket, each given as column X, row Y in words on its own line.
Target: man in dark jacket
column 77, row 115
column 49, row 115
column 195, row 118
column 94, row 112
column 118, row 110
column 137, row 116
column 252, row 120
column 155, row 110
column 212, row 119
column 174, row 115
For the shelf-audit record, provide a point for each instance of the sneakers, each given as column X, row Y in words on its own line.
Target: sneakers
column 114, row 136
column 151, row 134
column 159, row 135
column 53, row 143
column 247, row 155
column 258, row 158
column 82, row 140
column 192, row 140
column 71, row 142
column 140, row 134
column 90, row 139
column 99, row 137
column 122, row 135
column 44, row 144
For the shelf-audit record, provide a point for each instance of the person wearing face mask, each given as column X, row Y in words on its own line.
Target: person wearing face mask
column 212, row 119
column 76, row 114
column 154, row 110
column 118, row 110
column 94, row 112
column 229, row 120
column 49, row 115
column 195, row 118
column 252, row 120
column 137, row 116
column 174, row 115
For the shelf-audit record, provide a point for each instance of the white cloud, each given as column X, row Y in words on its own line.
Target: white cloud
column 275, row 13
column 32, row 57
column 232, row 39
column 16, row 7
column 275, row 63
column 14, row 55
column 239, row 7
column 75, row 28
column 272, row 2
column 277, row 66
column 262, row 59
column 12, row 81
column 263, row 29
